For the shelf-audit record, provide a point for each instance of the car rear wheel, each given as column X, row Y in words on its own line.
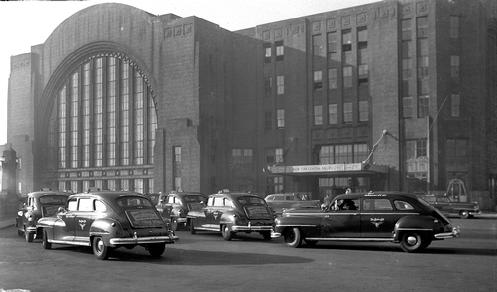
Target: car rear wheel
column 226, row 232
column 157, row 249
column 45, row 243
column 100, row 250
column 191, row 226
column 293, row 238
column 29, row 236
column 412, row 242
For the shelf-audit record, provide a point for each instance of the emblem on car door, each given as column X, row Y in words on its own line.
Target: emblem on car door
column 82, row 223
column 377, row 221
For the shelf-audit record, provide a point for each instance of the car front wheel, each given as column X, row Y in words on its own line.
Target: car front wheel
column 100, row 250
column 45, row 243
column 226, row 232
column 29, row 236
column 412, row 242
column 156, row 249
column 293, row 237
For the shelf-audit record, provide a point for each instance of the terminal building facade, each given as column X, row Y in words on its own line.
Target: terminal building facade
column 393, row 95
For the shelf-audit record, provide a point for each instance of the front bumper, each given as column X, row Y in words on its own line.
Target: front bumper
column 143, row 240
column 455, row 232
column 31, row 229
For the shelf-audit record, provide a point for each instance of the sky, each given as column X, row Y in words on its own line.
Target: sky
column 27, row 23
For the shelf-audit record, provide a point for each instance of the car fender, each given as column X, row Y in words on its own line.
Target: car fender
column 227, row 219
column 423, row 224
column 106, row 228
column 305, row 223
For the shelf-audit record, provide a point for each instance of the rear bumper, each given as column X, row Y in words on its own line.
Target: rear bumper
column 248, row 228
column 31, row 229
column 455, row 232
column 143, row 240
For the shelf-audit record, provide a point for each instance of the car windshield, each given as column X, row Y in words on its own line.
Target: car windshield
column 250, row 200
column 53, row 199
column 133, row 201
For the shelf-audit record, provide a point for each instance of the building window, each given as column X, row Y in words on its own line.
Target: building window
column 268, row 85
column 111, row 112
column 406, row 68
column 332, row 78
column 407, row 107
column 346, row 40
column 343, row 154
column 177, row 154
column 333, row 114
column 267, row 53
column 318, row 115
column 280, row 84
column 177, row 167
column 280, row 50
column 124, row 116
column 454, row 67
column 62, row 112
column 268, row 121
column 139, row 119
column 347, row 77
column 454, row 27
column 423, row 106
column 278, row 155
column 280, row 118
column 361, row 152
column 98, row 114
column 347, row 112
column 363, row 111
column 74, row 120
column 406, row 29
column 362, row 35
column 332, row 46
column 422, row 27
column 327, row 154
column 455, row 105
column 86, row 116
column 278, row 184
column 242, row 157
column 318, row 79
column 317, row 45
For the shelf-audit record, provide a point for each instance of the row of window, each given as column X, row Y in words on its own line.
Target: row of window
column 139, row 185
column 347, row 113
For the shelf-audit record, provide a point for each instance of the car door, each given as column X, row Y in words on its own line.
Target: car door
column 342, row 221
column 378, row 217
column 65, row 227
column 213, row 211
column 84, row 219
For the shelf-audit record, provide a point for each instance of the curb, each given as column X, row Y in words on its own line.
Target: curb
column 6, row 224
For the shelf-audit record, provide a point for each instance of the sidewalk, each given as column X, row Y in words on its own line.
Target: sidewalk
column 7, row 222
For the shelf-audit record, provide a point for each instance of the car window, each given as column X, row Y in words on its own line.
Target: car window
column 402, row 205
column 289, row 198
column 130, row 201
column 250, row 200
column 170, row 200
column 61, row 200
column 218, row 202
column 346, row 204
column 377, row 205
column 210, row 202
column 228, row 203
column 85, row 204
column 194, row 199
column 72, row 205
column 100, row 206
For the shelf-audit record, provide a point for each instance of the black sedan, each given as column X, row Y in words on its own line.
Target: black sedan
column 380, row 216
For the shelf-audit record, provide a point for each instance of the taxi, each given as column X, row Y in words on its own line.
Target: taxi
column 105, row 220
column 230, row 213
column 377, row 217
column 40, row 204
column 174, row 206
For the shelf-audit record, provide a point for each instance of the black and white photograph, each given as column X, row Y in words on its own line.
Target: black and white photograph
column 264, row 145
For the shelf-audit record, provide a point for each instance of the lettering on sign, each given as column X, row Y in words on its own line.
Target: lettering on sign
column 317, row 168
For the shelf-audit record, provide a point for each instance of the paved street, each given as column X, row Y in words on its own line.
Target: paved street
column 205, row 262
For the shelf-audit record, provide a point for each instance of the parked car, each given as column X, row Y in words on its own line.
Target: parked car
column 447, row 206
column 280, row 202
column 35, row 206
column 175, row 206
column 381, row 216
column 106, row 220
column 154, row 197
column 229, row 213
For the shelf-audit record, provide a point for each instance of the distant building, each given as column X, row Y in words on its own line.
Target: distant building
column 393, row 95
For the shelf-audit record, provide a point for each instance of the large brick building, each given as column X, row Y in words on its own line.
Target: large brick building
column 395, row 95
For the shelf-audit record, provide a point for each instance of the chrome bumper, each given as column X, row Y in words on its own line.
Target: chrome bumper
column 143, row 240
column 31, row 229
column 180, row 220
column 249, row 227
column 454, row 233
column 275, row 234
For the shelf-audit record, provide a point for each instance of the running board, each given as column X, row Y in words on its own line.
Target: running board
column 208, row 229
column 85, row 243
column 349, row 239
